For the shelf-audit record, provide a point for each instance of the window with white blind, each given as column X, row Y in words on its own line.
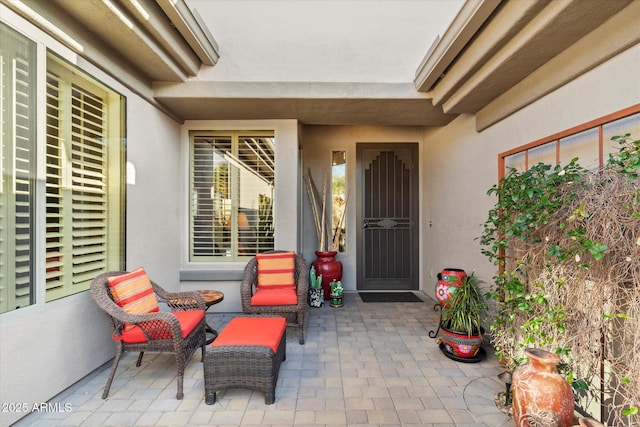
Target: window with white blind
column 231, row 194
column 61, row 206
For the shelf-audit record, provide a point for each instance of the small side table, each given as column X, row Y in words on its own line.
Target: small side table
column 211, row 298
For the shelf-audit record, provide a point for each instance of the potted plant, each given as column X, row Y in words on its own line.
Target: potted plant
column 337, row 292
column 461, row 328
column 316, row 293
column 326, row 263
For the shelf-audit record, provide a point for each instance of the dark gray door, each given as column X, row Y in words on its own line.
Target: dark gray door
column 387, row 212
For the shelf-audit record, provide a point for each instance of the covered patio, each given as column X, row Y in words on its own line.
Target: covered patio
column 364, row 364
column 455, row 83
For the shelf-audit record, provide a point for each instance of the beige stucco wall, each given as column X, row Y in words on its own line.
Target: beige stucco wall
column 460, row 164
column 154, row 194
column 45, row 348
column 307, row 41
column 285, row 208
column 317, row 144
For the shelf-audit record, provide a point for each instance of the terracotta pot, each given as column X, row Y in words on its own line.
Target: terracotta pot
column 330, row 268
column 541, row 396
column 449, row 280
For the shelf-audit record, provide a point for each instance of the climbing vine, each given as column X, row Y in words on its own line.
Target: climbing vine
column 566, row 243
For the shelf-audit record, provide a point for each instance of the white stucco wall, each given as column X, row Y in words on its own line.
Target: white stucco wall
column 460, row 164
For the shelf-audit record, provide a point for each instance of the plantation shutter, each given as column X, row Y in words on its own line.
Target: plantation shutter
column 211, row 198
column 231, row 190
column 17, row 169
column 75, row 185
column 256, row 177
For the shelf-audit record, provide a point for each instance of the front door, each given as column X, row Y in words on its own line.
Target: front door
column 387, row 213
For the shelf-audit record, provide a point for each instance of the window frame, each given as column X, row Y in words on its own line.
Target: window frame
column 558, row 138
column 234, row 135
column 48, row 49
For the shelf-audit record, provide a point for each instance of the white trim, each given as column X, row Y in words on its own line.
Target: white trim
column 35, row 34
column 446, row 49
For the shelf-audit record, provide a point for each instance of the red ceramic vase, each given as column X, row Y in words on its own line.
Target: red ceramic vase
column 330, row 268
column 541, row 396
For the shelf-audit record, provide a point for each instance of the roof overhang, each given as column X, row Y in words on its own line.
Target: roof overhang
column 311, row 103
column 494, row 59
column 497, row 58
column 157, row 39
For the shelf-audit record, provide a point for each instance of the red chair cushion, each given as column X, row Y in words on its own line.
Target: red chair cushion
column 258, row 331
column 276, row 270
column 188, row 321
column 133, row 292
column 277, row 296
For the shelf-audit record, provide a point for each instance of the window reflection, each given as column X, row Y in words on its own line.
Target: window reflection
column 338, row 199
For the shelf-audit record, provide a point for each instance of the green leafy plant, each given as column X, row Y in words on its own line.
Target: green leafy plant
column 465, row 311
column 526, row 203
column 336, row 288
column 315, row 281
column 565, row 244
column 627, row 160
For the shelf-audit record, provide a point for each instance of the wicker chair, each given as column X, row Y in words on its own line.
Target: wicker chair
column 295, row 314
column 161, row 329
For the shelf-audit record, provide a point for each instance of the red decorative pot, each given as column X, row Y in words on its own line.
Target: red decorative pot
column 449, row 280
column 330, row 268
column 541, row 396
column 460, row 344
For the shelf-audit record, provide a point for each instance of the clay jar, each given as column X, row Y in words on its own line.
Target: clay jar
column 541, row 396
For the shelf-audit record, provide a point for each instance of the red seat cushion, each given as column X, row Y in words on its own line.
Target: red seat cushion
column 258, row 331
column 277, row 296
column 276, row 270
column 133, row 292
column 188, row 321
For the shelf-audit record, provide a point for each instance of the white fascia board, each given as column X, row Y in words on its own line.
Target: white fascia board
column 445, row 49
column 190, row 25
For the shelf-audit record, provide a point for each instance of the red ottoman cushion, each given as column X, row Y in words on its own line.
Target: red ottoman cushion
column 258, row 331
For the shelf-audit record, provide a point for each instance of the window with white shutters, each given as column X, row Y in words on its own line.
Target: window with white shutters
column 67, row 210
column 77, row 207
column 231, row 194
column 17, row 164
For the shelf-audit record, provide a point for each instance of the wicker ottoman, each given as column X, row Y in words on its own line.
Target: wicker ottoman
column 247, row 353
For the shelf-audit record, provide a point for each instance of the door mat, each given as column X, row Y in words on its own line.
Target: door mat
column 389, row 297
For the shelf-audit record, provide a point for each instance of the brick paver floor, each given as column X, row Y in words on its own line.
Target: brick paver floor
column 365, row 364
